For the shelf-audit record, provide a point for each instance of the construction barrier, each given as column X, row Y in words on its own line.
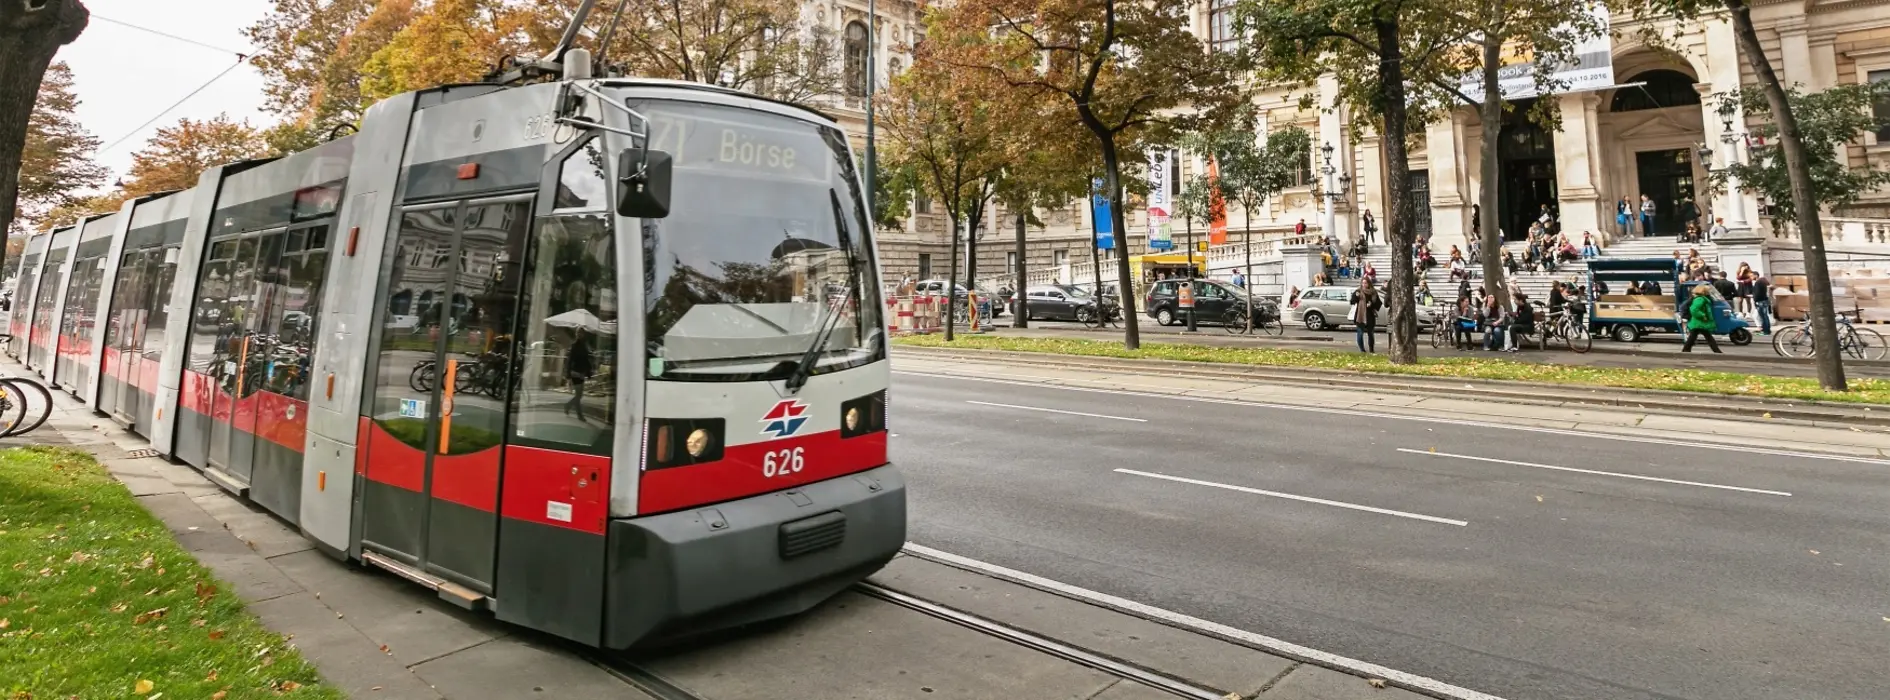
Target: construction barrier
column 913, row 315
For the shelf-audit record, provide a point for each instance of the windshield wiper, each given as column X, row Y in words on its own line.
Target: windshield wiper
column 831, row 318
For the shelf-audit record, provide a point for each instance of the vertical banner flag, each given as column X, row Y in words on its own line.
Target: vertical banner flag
column 1104, row 226
column 1217, row 207
column 1160, row 201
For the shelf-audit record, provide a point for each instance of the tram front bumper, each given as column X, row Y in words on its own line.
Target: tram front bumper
column 749, row 560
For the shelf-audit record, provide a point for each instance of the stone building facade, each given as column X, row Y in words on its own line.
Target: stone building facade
column 1642, row 134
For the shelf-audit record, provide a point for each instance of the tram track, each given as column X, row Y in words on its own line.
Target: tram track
column 653, row 683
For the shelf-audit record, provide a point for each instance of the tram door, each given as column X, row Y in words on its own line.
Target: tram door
column 248, row 264
column 437, row 422
column 126, row 328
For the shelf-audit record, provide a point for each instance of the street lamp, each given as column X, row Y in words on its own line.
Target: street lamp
column 1335, row 188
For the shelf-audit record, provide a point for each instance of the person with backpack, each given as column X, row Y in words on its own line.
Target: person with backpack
column 1699, row 314
column 1365, row 306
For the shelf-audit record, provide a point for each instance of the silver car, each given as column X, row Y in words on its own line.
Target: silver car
column 1324, row 308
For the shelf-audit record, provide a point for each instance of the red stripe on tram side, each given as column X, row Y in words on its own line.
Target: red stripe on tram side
column 740, row 471
column 361, row 445
column 471, row 480
column 560, row 489
column 111, row 362
column 392, row 462
column 281, row 420
column 148, row 375
column 243, row 412
column 194, row 393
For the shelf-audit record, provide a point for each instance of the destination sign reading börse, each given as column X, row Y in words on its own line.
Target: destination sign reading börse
column 701, row 142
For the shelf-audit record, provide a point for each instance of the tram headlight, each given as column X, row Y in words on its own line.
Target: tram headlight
column 864, row 415
column 697, row 443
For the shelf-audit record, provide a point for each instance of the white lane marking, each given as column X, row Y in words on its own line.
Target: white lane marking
column 1594, row 471
column 1291, row 497
column 1056, row 410
column 1728, row 447
column 1284, row 648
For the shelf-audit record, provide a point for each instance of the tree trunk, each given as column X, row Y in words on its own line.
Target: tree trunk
column 28, row 40
column 1494, row 278
column 1246, row 276
column 1021, row 311
column 1112, row 180
column 1824, row 334
column 951, row 278
column 971, row 258
column 1400, row 234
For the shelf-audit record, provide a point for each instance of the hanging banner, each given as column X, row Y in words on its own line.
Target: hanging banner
column 1217, row 207
column 1592, row 68
column 1104, row 226
column 1160, row 202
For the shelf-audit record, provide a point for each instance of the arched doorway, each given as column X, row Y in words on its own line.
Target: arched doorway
column 1665, row 173
column 1526, row 153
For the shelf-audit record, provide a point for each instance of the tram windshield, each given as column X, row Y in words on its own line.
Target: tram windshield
column 765, row 247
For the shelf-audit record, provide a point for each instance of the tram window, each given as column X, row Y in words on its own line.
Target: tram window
column 581, row 181
column 164, row 262
column 297, row 239
column 317, row 238
column 566, row 399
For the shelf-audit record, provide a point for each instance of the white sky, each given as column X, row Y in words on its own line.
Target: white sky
column 125, row 76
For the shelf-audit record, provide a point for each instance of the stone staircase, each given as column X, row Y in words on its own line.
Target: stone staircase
column 1536, row 284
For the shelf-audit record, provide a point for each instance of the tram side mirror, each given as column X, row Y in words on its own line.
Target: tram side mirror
column 643, row 183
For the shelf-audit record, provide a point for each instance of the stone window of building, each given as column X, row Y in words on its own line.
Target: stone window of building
column 925, row 266
column 1880, row 106
column 1663, row 88
column 856, row 56
column 1221, row 34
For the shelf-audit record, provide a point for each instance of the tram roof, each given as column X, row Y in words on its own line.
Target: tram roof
column 705, row 87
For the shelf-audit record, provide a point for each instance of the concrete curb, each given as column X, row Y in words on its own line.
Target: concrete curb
column 1695, row 404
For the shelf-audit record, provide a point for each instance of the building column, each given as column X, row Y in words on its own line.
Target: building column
column 1332, row 130
column 1577, row 150
column 1368, row 184
column 1724, row 76
column 1444, row 146
column 1794, row 46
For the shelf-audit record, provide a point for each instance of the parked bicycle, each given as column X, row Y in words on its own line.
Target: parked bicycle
column 1563, row 326
column 1267, row 323
column 1856, row 343
column 25, row 404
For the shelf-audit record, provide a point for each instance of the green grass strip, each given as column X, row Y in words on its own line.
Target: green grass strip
column 1863, row 391
column 97, row 600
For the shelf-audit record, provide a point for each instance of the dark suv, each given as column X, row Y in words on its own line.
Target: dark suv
column 1212, row 301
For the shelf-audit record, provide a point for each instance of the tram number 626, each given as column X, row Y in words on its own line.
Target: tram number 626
column 782, row 462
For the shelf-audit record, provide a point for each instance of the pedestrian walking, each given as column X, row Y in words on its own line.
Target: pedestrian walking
column 1648, row 208
column 1700, row 319
column 1365, row 306
column 577, row 369
column 1371, row 226
column 1623, row 213
column 1742, row 282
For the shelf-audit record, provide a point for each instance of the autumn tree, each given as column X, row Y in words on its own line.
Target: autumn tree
column 1386, row 56
column 30, row 34
column 936, row 125
column 56, row 164
column 760, row 46
column 1250, row 173
column 1048, row 160
column 450, row 41
column 178, row 154
column 1798, row 161
column 1131, row 73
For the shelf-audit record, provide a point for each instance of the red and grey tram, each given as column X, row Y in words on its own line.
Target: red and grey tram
column 601, row 356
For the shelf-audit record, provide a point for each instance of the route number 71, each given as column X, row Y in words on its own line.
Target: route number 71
column 782, row 462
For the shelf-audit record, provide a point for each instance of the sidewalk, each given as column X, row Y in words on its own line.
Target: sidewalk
column 1757, row 358
column 1557, row 408
column 375, row 636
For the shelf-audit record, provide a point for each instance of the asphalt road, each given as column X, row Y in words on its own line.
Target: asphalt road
column 1703, row 579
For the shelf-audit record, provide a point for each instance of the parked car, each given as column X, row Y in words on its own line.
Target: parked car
column 1212, row 301
column 936, row 288
column 1328, row 308
column 1055, row 302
